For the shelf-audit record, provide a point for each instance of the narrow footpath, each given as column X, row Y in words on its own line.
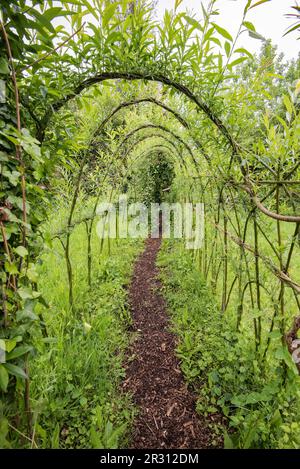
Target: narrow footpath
column 167, row 416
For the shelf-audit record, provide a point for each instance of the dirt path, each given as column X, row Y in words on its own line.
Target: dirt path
column 167, row 417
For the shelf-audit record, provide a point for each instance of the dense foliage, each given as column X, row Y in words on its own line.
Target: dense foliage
column 98, row 98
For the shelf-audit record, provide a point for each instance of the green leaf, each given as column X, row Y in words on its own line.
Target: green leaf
column 44, row 20
column 216, row 40
column 11, row 268
column 90, row 8
column 32, row 273
column 114, row 36
column 28, row 311
column 275, row 335
column 259, row 3
column 193, row 22
column 228, row 443
column 33, row 150
column 276, row 418
column 83, row 401
column 27, row 293
column 15, row 371
column 247, row 6
column 4, row 156
column 21, row 251
column 108, row 14
column 13, row 176
column 52, row 13
column 4, row 68
column 249, row 25
column 244, row 51
column 55, row 12
column 95, row 439
column 250, row 435
column 223, row 32
column 294, row 28
column 256, row 35
column 10, row 344
column 18, row 352
column 227, row 48
column 177, row 3
column 237, row 62
column 55, row 438
column 3, row 378
column 282, row 353
column 288, row 104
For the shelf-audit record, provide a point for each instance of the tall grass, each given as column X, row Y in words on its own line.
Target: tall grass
column 76, row 375
column 262, row 406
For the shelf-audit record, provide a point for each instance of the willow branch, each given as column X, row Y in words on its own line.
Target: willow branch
column 18, row 116
column 53, row 50
column 282, row 276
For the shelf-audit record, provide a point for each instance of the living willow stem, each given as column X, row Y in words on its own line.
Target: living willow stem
column 7, row 252
column 4, row 306
column 279, row 239
column 257, row 279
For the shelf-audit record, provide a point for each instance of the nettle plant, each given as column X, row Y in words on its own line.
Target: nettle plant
column 56, row 59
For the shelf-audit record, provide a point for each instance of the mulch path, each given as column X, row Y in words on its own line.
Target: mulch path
column 167, row 416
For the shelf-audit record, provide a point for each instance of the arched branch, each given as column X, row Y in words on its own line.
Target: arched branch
column 139, row 101
column 162, row 128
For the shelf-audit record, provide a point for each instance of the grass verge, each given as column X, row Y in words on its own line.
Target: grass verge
column 76, row 375
column 260, row 403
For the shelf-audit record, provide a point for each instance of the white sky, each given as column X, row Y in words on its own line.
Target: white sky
column 268, row 19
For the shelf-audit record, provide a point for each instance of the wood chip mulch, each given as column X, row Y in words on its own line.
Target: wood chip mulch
column 167, row 416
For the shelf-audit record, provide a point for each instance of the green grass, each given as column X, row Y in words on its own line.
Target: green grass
column 76, row 375
column 261, row 405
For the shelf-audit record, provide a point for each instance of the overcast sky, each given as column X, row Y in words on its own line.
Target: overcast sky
column 268, row 19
